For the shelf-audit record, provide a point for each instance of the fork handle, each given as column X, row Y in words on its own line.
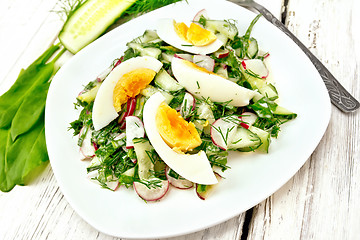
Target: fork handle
column 338, row 94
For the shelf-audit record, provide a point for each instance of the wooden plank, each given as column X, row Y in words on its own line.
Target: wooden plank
column 28, row 29
column 39, row 210
column 320, row 201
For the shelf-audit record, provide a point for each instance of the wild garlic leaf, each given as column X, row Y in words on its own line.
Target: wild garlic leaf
column 18, row 158
column 37, row 73
column 30, row 110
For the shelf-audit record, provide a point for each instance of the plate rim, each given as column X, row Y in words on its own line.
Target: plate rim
column 194, row 229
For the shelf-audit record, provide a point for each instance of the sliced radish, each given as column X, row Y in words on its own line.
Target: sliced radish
column 119, row 140
column 103, row 75
column 180, row 183
column 222, row 53
column 187, row 105
column 249, row 118
column 130, row 109
column 263, row 54
column 87, row 148
column 204, row 191
column 204, row 61
column 134, row 129
column 132, row 106
column 184, row 56
column 118, row 62
column 256, row 66
column 223, row 130
column 113, row 185
column 151, row 194
column 200, row 13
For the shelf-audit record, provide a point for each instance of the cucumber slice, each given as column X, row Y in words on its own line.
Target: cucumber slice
column 253, row 48
column 148, row 36
column 142, row 149
column 147, row 51
column 223, row 27
column 245, row 140
column 89, row 21
column 284, row 114
column 164, row 81
column 266, row 89
column 264, row 137
column 151, row 90
column 90, row 95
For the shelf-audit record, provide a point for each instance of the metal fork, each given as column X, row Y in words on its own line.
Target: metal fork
column 341, row 98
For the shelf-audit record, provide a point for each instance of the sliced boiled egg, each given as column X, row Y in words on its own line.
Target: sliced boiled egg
column 124, row 81
column 193, row 39
column 179, row 134
column 205, row 84
column 193, row 167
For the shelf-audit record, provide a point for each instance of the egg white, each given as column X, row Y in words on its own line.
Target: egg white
column 103, row 110
column 166, row 31
column 195, row 168
column 206, row 85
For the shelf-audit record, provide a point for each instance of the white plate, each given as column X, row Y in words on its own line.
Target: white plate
column 252, row 177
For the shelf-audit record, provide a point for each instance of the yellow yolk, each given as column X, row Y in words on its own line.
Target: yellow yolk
column 175, row 130
column 199, row 36
column 181, row 30
column 195, row 34
column 193, row 65
column 130, row 85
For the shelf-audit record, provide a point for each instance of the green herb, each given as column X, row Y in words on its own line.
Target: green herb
column 22, row 123
column 21, row 157
column 242, row 43
column 267, row 119
column 144, row 6
column 22, row 141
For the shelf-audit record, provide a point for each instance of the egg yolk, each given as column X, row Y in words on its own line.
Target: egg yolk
column 178, row 134
column 194, row 34
column 130, row 85
column 193, row 65
column 181, row 30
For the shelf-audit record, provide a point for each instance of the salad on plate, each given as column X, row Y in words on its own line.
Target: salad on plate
column 172, row 107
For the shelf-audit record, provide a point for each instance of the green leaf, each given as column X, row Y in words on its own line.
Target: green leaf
column 18, row 158
column 37, row 73
column 29, row 111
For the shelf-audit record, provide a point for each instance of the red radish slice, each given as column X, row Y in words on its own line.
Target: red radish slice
column 113, row 185
column 204, row 61
column 118, row 62
column 180, row 183
column 134, row 129
column 122, row 118
column 244, row 125
column 119, row 140
column 87, row 148
column 204, row 191
column 130, row 109
column 199, row 14
column 184, row 56
column 255, row 66
column 187, row 105
column 263, row 54
column 151, row 194
column 103, row 75
column 248, row 117
column 132, row 106
column 221, row 53
column 223, row 130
